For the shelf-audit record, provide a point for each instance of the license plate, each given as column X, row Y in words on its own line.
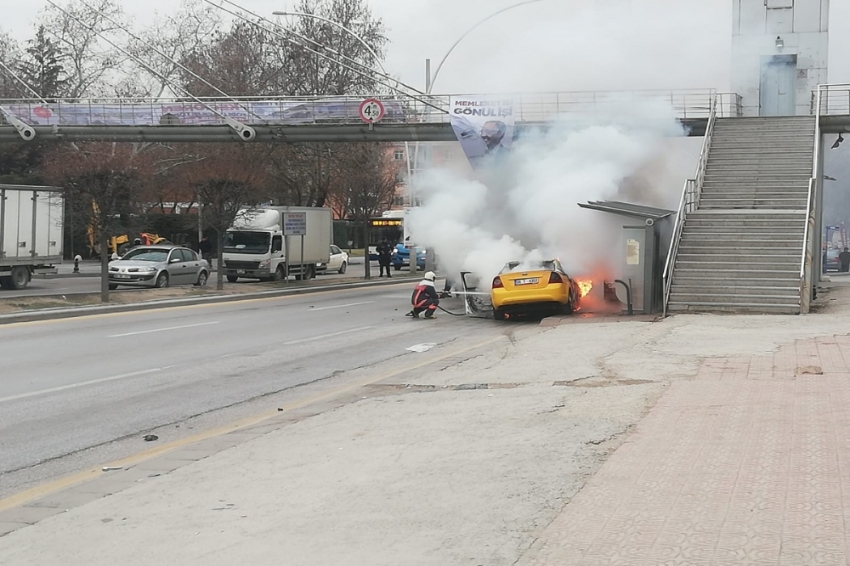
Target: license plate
column 240, row 272
column 527, row 281
column 122, row 276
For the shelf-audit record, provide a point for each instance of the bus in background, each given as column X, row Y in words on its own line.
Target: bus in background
column 391, row 226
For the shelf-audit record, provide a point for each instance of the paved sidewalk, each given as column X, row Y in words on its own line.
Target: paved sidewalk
column 541, row 449
column 749, row 463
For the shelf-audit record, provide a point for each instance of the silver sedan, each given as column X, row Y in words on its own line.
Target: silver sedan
column 158, row 266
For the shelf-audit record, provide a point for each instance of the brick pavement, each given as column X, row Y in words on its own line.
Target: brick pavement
column 747, row 463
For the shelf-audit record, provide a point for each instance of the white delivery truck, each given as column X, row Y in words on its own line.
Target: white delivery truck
column 266, row 243
column 31, row 233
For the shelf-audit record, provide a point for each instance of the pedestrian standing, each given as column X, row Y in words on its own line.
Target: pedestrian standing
column 385, row 255
column 205, row 247
column 844, row 258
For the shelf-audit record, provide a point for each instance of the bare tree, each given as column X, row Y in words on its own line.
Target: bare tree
column 10, row 55
column 367, row 183
column 228, row 180
column 190, row 30
column 88, row 60
column 107, row 177
column 315, row 75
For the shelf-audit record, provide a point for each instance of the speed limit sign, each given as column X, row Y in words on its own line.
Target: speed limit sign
column 371, row 110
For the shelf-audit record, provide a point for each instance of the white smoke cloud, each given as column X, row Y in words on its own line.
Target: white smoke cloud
column 526, row 208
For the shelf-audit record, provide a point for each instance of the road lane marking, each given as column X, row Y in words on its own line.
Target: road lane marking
column 163, row 329
column 343, row 306
column 323, row 336
column 82, row 384
column 40, row 491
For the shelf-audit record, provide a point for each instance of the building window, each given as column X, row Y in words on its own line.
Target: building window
column 398, row 155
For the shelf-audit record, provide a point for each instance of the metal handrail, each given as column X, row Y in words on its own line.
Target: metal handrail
column 806, row 271
column 674, row 244
column 689, row 202
column 806, row 261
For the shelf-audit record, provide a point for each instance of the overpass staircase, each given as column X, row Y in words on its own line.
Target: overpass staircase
column 744, row 232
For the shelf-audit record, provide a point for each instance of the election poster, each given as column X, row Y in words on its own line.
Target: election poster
column 484, row 126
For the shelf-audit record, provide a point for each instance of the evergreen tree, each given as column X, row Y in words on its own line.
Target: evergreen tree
column 42, row 66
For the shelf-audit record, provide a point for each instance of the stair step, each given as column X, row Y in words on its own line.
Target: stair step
column 744, row 176
column 735, row 224
column 736, row 274
column 760, row 283
column 732, row 308
column 729, row 251
column 741, row 257
column 740, row 266
column 764, row 152
column 802, row 188
column 761, row 167
column 735, row 298
column 751, row 203
column 744, row 189
column 695, row 293
column 698, row 241
column 783, row 134
column 743, row 195
column 717, row 231
column 723, row 163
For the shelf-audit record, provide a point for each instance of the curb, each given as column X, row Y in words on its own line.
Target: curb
column 77, row 312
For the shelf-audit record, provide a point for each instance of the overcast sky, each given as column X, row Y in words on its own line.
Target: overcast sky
column 554, row 45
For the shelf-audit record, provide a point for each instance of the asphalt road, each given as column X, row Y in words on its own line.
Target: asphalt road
column 72, row 285
column 76, row 392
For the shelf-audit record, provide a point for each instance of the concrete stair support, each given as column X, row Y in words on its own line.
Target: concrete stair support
column 741, row 249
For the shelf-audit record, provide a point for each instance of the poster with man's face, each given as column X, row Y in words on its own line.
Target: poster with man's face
column 484, row 126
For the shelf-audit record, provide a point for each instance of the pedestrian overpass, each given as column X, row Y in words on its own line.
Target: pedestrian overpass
column 324, row 119
column 747, row 235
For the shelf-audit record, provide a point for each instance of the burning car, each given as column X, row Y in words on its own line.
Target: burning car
column 543, row 287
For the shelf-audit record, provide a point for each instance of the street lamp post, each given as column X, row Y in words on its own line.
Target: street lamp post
column 469, row 31
column 431, row 79
column 342, row 27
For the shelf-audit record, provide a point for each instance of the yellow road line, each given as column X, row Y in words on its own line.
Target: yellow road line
column 184, row 307
column 40, row 491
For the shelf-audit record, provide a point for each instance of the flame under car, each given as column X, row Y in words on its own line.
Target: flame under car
column 543, row 288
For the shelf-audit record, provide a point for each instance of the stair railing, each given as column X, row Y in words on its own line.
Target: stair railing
column 808, row 278
column 689, row 203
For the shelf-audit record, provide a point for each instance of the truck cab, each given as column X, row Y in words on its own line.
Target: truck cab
column 256, row 246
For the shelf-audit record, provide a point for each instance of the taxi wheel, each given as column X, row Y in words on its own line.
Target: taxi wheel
column 498, row 314
column 568, row 308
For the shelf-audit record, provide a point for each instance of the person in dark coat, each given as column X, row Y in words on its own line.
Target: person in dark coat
column 205, row 248
column 844, row 258
column 424, row 298
column 385, row 256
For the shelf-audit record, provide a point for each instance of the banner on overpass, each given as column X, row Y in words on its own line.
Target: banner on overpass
column 193, row 114
column 484, row 126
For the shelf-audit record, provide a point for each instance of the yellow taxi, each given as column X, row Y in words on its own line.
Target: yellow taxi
column 530, row 289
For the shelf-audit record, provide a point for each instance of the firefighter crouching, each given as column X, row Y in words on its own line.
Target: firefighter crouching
column 425, row 297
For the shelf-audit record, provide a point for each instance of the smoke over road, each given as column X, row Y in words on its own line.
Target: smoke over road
column 525, row 208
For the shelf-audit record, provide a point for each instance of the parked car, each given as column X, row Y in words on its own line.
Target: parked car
column 524, row 289
column 832, row 263
column 401, row 257
column 338, row 262
column 158, row 266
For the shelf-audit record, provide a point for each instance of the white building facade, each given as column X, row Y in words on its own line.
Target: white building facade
column 779, row 54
